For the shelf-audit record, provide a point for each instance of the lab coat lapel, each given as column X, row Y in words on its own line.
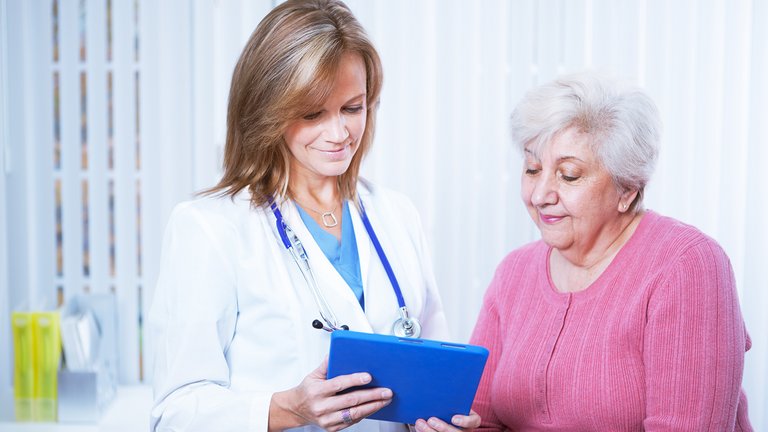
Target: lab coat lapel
column 381, row 302
column 338, row 294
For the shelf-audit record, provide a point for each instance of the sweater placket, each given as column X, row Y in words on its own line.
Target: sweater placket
column 542, row 370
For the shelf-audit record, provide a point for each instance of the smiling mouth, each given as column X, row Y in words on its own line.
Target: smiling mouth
column 336, row 154
column 548, row 219
column 336, row 150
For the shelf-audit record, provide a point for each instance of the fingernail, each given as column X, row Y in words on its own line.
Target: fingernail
column 456, row 420
column 433, row 422
column 419, row 425
column 386, row 393
column 365, row 378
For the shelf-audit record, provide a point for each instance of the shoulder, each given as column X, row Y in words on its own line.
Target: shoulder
column 386, row 201
column 381, row 195
column 214, row 215
column 669, row 240
column 521, row 267
column 683, row 261
column 524, row 257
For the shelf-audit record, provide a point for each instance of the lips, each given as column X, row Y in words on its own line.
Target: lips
column 338, row 154
column 550, row 219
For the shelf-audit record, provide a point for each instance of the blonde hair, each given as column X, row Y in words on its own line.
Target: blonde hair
column 288, row 67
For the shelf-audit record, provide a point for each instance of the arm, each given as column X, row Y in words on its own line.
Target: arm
column 487, row 334
column 191, row 324
column 694, row 345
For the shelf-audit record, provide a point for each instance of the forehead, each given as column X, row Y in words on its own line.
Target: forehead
column 566, row 144
column 346, row 77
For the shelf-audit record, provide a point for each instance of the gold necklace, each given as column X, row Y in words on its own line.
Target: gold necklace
column 328, row 218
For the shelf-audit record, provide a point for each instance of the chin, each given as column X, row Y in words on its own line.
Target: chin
column 555, row 242
column 334, row 171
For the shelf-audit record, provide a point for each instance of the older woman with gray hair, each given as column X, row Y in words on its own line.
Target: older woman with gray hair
column 619, row 318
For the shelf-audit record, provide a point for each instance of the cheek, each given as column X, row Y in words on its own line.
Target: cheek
column 298, row 136
column 526, row 189
column 356, row 126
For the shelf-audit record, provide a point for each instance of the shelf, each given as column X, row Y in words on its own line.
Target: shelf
column 129, row 412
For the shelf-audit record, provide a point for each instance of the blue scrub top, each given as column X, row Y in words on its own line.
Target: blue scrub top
column 342, row 254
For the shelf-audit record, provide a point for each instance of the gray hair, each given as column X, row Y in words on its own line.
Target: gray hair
column 623, row 123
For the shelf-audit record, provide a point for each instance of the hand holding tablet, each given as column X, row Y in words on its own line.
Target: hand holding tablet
column 428, row 378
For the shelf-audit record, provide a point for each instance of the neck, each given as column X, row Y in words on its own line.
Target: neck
column 321, row 192
column 601, row 253
column 573, row 272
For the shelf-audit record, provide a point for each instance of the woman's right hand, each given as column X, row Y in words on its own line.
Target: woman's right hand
column 315, row 401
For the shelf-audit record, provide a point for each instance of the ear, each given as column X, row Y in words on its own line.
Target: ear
column 626, row 200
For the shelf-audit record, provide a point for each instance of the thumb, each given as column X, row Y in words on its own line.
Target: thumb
column 322, row 371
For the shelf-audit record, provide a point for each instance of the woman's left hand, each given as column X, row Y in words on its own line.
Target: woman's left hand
column 460, row 422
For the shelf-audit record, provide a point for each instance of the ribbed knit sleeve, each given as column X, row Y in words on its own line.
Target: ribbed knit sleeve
column 487, row 334
column 694, row 345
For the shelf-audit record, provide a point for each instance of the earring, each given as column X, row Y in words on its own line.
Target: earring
column 624, row 206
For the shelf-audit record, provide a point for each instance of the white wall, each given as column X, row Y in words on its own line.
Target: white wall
column 6, row 376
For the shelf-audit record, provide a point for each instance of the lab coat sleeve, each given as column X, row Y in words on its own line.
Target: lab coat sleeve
column 192, row 322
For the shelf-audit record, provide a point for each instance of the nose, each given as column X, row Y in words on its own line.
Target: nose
column 544, row 189
column 336, row 129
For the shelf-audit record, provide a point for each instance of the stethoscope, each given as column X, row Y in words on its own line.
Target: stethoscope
column 404, row 326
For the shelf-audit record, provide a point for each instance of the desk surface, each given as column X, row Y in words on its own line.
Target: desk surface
column 129, row 412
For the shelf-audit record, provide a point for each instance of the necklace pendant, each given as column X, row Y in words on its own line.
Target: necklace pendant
column 329, row 220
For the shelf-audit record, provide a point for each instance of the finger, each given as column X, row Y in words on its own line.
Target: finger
column 422, row 426
column 359, row 397
column 472, row 421
column 343, row 382
column 356, row 413
column 321, row 371
column 434, row 424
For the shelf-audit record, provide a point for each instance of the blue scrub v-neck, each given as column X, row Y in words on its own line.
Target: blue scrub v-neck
column 342, row 255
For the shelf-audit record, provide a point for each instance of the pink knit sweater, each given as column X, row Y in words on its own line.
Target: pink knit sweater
column 656, row 343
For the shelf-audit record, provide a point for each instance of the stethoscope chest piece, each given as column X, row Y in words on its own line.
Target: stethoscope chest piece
column 406, row 326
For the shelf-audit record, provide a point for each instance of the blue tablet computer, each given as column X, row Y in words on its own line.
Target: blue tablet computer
column 428, row 378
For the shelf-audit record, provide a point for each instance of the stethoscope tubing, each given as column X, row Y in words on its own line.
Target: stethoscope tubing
column 382, row 255
column 410, row 326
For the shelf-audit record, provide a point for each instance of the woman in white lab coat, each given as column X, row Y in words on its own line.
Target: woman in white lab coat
column 232, row 319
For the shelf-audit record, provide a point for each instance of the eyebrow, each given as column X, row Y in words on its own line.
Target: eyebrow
column 559, row 159
column 356, row 97
column 569, row 158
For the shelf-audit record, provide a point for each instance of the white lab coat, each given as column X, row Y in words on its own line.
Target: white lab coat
column 231, row 319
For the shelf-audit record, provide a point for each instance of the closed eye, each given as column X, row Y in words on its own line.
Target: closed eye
column 354, row 109
column 312, row 116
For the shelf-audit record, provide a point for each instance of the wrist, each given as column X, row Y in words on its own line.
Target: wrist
column 281, row 414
